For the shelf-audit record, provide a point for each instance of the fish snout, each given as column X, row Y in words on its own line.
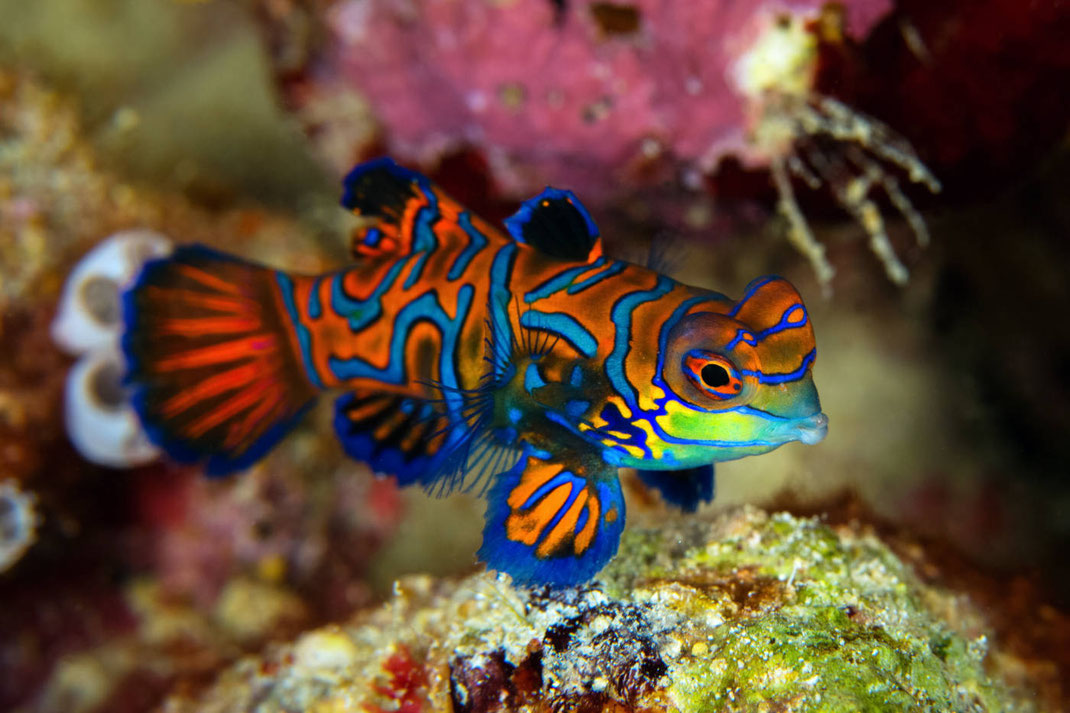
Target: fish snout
column 812, row 429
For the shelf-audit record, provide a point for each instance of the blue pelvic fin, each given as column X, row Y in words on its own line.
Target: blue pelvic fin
column 553, row 520
column 556, row 223
column 216, row 375
column 686, row 489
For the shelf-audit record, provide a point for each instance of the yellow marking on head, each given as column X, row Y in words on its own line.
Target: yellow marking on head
column 634, row 451
column 611, row 515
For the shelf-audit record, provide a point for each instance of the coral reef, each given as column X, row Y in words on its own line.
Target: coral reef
column 747, row 612
column 75, row 633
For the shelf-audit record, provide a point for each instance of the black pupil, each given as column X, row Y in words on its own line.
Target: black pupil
column 714, row 375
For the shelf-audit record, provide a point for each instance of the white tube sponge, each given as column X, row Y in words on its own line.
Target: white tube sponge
column 100, row 420
column 89, row 315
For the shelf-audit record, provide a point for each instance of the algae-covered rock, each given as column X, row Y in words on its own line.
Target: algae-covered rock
column 748, row 612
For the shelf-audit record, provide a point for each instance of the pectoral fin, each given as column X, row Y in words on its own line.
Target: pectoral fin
column 553, row 519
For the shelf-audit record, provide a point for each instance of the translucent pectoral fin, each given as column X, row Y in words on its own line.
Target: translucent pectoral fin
column 553, row 520
column 686, row 489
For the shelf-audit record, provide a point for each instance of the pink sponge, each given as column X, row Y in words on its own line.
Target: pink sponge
column 580, row 94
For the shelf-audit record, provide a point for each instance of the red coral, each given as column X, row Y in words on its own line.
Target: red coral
column 407, row 686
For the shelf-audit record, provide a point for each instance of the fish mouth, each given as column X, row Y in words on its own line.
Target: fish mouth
column 812, row 429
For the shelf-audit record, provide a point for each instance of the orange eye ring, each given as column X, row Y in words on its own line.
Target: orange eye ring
column 713, row 374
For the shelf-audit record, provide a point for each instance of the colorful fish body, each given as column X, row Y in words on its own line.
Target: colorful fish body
column 526, row 366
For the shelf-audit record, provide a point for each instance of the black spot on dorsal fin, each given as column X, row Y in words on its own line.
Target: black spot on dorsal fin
column 390, row 196
column 381, row 189
column 556, row 223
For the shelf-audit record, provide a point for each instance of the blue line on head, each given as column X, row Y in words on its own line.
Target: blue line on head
column 676, row 316
column 785, row 377
column 621, row 316
column 785, row 322
column 754, row 287
column 742, row 335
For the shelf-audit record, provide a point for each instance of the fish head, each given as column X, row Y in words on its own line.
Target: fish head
column 740, row 381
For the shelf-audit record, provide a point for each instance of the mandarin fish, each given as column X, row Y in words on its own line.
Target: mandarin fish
column 522, row 365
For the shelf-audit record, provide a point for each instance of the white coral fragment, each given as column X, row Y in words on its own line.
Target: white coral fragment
column 18, row 523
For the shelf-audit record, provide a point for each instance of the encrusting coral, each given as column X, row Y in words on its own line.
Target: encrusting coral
column 749, row 612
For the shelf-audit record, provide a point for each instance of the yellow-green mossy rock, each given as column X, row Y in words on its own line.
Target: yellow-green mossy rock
column 744, row 612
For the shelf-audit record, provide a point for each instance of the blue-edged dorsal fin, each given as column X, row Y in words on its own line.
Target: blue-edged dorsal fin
column 553, row 519
column 400, row 207
column 686, row 489
column 556, row 223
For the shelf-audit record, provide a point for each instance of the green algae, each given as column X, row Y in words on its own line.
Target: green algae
column 745, row 612
column 818, row 620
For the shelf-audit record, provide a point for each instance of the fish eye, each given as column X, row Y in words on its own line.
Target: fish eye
column 713, row 373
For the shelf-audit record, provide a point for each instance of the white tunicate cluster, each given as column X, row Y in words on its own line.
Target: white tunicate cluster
column 100, row 420
column 18, row 523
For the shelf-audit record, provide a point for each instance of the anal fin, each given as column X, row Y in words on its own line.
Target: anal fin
column 395, row 435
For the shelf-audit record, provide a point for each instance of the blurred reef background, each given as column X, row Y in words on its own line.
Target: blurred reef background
column 921, row 547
